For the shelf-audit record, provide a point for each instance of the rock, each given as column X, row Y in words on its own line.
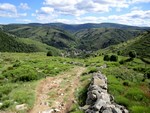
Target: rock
column 98, row 100
column 97, row 106
column 116, row 110
column 85, row 107
column 21, row 107
column 125, row 111
column 48, row 111
column 1, row 103
column 56, row 110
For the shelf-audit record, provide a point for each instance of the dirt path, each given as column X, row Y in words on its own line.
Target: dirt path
column 56, row 94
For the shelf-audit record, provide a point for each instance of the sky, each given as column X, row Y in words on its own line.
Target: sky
column 129, row 12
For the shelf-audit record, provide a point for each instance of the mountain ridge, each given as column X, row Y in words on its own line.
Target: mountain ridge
column 83, row 37
column 77, row 27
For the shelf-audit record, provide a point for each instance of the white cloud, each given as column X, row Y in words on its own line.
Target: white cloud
column 6, row 7
column 46, row 10
column 24, row 6
column 58, row 11
column 90, row 6
column 61, row 3
column 135, row 17
column 10, row 11
column 113, row 3
column 80, row 7
column 136, row 8
column 139, row 1
column 45, row 14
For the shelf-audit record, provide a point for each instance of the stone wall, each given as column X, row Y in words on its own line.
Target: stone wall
column 98, row 100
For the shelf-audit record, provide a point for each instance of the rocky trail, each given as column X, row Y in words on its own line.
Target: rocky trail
column 56, row 94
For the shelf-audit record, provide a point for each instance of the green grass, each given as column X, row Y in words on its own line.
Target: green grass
column 21, row 72
column 126, row 82
column 49, row 35
column 139, row 44
column 81, row 93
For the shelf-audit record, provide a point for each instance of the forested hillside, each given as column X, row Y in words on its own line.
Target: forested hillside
column 10, row 44
column 94, row 39
column 51, row 36
column 140, row 44
column 82, row 39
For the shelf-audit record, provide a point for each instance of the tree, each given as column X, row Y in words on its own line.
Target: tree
column 49, row 53
column 106, row 58
column 132, row 54
column 114, row 58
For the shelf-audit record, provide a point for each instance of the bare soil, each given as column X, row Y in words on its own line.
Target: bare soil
column 57, row 93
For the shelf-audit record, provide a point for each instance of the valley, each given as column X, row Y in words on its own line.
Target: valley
column 59, row 81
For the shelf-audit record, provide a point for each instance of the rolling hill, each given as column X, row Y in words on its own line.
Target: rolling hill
column 140, row 44
column 83, row 37
column 49, row 35
column 78, row 27
column 98, row 38
column 10, row 43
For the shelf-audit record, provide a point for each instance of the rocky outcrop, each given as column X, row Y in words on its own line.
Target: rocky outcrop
column 98, row 99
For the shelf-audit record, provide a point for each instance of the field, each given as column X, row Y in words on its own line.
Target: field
column 21, row 73
column 128, row 82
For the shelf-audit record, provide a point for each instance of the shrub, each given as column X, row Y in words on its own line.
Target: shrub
column 126, row 83
column 121, row 61
column 114, row 58
column 119, row 53
column 106, row 58
column 49, row 53
column 147, row 74
column 92, row 70
column 132, row 54
column 6, row 104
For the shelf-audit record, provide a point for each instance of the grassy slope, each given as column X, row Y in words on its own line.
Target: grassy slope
column 20, row 73
column 94, row 39
column 126, row 82
column 10, row 44
column 40, row 46
column 51, row 36
column 140, row 44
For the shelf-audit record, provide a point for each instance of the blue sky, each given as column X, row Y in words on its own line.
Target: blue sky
column 130, row 12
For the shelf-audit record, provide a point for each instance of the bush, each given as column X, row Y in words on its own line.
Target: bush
column 6, row 104
column 121, row 61
column 92, row 70
column 114, row 58
column 147, row 74
column 132, row 54
column 126, row 83
column 106, row 58
column 49, row 53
